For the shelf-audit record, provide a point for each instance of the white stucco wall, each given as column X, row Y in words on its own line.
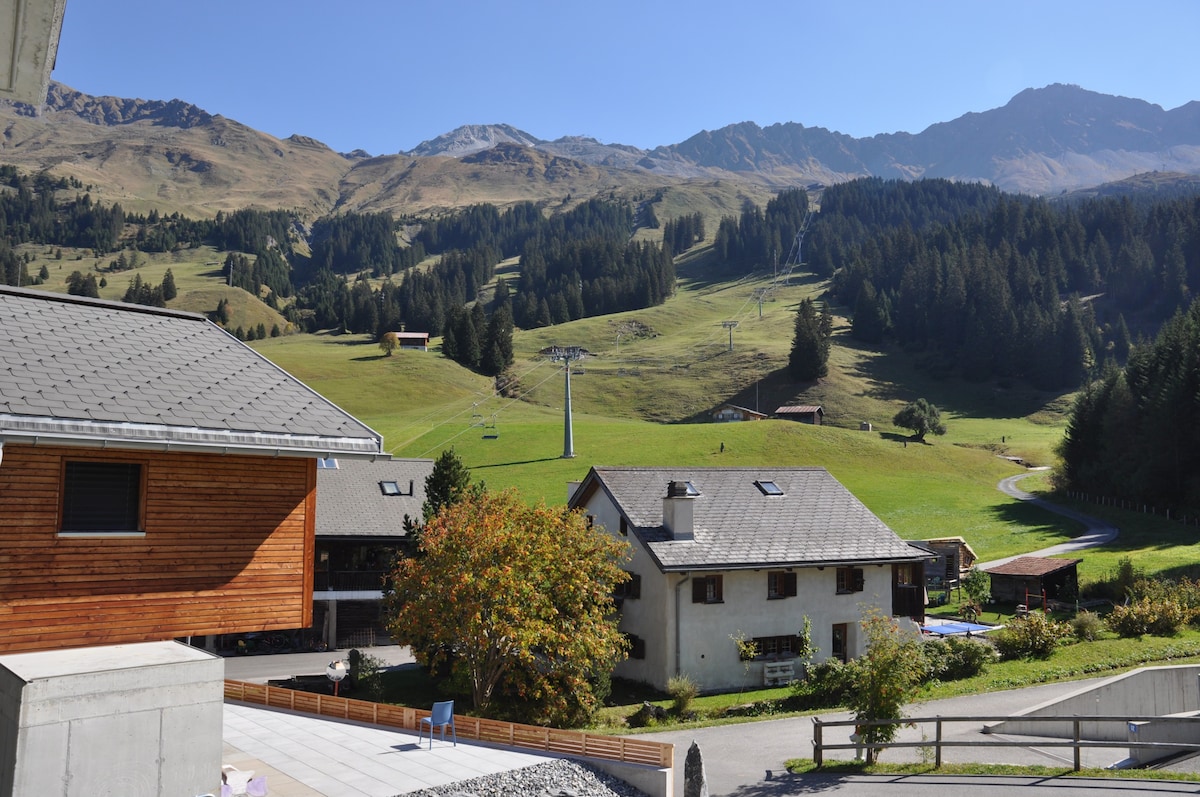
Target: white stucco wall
column 707, row 651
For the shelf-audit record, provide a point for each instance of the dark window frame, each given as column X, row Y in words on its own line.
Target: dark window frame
column 102, row 497
column 637, row 646
column 708, row 589
column 781, row 584
column 777, row 648
column 849, row 580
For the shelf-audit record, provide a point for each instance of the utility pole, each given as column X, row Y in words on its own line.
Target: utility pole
column 567, row 354
column 730, row 325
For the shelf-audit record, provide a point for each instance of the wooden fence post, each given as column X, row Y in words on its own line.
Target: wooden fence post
column 1076, row 723
column 937, row 755
column 818, row 750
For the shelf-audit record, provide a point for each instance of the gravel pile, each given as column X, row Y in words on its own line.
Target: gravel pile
column 557, row 778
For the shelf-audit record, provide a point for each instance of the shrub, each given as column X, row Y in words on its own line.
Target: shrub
column 1033, row 636
column 1148, row 616
column 683, row 690
column 955, row 658
column 824, row 685
column 1087, row 626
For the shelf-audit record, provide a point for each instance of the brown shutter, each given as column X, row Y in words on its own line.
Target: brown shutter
column 858, row 579
column 699, row 590
column 789, row 585
column 635, row 585
column 718, row 596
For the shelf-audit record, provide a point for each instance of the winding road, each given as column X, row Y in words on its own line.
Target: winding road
column 1098, row 532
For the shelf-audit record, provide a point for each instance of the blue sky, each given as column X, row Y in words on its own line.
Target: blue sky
column 385, row 75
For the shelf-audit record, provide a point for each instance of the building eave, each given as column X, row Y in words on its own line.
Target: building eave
column 156, row 437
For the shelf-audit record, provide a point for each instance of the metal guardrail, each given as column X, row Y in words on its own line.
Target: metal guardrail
column 937, row 743
column 628, row 750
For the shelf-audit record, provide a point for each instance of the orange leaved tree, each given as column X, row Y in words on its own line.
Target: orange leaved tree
column 512, row 597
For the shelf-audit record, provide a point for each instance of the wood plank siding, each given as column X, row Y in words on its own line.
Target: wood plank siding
column 228, row 547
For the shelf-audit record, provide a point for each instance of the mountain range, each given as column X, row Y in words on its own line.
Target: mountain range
column 171, row 155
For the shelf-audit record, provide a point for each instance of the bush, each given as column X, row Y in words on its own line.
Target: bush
column 824, row 685
column 1087, row 626
column 1147, row 616
column 1035, row 635
column 683, row 690
column 955, row 658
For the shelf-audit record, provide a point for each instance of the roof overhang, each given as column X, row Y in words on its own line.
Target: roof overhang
column 153, row 437
column 29, row 32
column 714, row 567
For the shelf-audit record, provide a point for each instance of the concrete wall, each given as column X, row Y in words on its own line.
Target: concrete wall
column 135, row 720
column 654, row 782
column 1151, row 691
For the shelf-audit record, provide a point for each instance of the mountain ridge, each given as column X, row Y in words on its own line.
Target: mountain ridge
column 173, row 155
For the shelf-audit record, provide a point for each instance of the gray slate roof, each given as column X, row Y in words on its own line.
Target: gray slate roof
column 85, row 370
column 351, row 504
column 736, row 526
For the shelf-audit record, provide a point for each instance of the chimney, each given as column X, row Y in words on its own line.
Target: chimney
column 677, row 511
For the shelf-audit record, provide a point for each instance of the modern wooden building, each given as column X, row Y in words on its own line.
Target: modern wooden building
column 157, row 477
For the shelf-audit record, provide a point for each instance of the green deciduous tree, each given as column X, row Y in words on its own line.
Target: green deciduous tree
column 922, row 417
column 389, row 342
column 884, row 679
column 512, row 598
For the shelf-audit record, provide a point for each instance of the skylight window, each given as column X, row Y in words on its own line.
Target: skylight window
column 691, row 488
column 390, row 488
column 327, row 462
column 768, row 487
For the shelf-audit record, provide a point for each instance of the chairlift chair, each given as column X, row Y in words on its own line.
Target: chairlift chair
column 490, row 431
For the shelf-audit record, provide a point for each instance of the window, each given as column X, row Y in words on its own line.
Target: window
column 776, row 647
column 849, row 579
column 591, row 521
column 329, row 463
column 102, row 497
column 389, row 488
column 840, row 637
column 630, row 589
column 624, row 527
column 904, row 575
column 769, row 488
column 707, row 589
column 781, row 584
column 637, row 646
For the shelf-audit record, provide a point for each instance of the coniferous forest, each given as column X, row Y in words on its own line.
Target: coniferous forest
column 996, row 285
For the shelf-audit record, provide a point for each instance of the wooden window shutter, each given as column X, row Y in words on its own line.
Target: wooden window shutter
column 789, row 585
column 858, row 579
column 699, row 590
column 635, row 585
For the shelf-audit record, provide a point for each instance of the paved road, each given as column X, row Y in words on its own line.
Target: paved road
column 276, row 666
column 1098, row 531
column 748, row 760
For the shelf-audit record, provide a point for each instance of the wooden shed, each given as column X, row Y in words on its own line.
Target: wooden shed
column 805, row 413
column 1026, row 579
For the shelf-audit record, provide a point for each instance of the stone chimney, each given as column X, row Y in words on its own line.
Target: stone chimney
column 677, row 511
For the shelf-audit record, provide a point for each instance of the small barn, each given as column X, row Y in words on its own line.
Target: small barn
column 731, row 413
column 1026, row 579
column 804, row 413
column 413, row 340
column 957, row 558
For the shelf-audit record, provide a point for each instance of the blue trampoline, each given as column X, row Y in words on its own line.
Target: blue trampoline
column 957, row 628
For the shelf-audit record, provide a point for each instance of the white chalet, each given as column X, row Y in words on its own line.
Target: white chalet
column 719, row 553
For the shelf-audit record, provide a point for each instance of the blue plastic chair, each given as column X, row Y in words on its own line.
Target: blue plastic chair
column 441, row 716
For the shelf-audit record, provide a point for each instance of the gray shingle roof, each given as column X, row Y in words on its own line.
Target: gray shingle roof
column 85, row 369
column 815, row 521
column 350, row 503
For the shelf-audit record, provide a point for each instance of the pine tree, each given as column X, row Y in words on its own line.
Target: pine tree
column 809, row 358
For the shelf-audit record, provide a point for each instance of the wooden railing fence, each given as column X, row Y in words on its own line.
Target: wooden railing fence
column 937, row 742
column 625, row 749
